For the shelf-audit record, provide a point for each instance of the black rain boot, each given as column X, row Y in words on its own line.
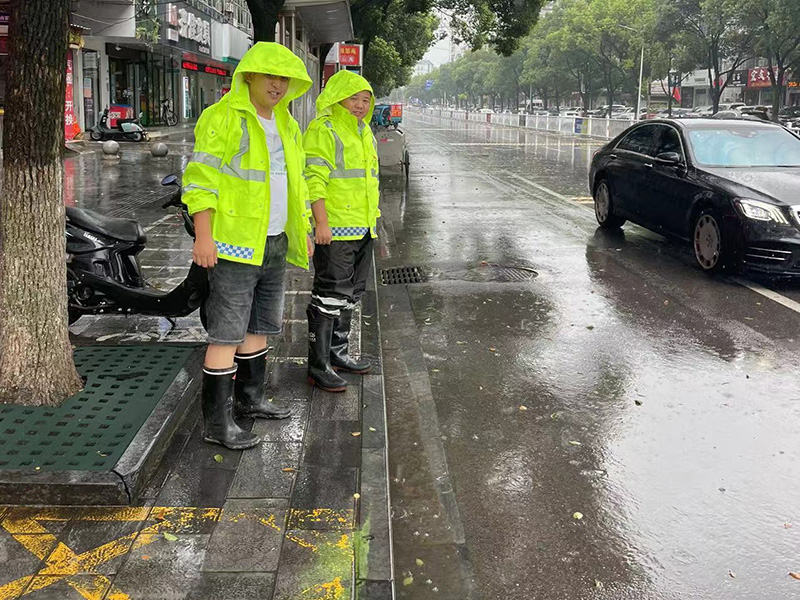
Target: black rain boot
column 218, row 424
column 340, row 359
column 248, row 391
column 320, row 373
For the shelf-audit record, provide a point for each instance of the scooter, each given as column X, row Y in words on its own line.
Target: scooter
column 126, row 129
column 104, row 275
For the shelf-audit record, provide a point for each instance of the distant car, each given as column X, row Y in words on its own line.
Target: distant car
column 789, row 113
column 701, row 111
column 731, row 188
column 731, row 105
column 487, row 111
column 677, row 113
column 741, row 114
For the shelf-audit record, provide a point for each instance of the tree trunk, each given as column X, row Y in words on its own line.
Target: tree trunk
column 36, row 366
column 265, row 19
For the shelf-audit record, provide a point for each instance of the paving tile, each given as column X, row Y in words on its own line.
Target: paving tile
column 163, row 570
column 374, row 512
column 248, row 537
column 344, row 406
column 52, row 519
column 169, row 462
column 184, row 519
column 332, row 444
column 315, row 564
column 96, row 527
column 202, row 453
column 58, row 587
column 192, row 485
column 232, row 586
column 284, row 430
column 288, row 381
column 261, row 474
column 19, row 564
column 374, row 590
column 323, row 487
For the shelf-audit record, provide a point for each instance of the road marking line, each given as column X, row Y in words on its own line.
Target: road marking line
column 540, row 187
column 767, row 293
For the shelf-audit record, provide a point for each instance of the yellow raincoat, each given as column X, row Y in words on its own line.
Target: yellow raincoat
column 342, row 160
column 228, row 172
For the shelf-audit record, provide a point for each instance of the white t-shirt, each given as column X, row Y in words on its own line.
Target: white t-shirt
column 278, row 181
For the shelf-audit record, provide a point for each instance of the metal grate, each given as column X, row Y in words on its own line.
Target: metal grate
column 91, row 429
column 401, row 275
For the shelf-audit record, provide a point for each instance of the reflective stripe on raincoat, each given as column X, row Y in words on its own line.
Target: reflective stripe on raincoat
column 342, row 160
column 228, row 171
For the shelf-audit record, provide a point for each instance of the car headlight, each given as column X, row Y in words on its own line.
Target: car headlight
column 761, row 211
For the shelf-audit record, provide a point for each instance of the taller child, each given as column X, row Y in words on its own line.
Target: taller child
column 244, row 186
column 342, row 176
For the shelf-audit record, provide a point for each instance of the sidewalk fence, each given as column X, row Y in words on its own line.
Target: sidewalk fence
column 592, row 127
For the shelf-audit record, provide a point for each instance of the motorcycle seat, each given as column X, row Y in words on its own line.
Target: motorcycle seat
column 126, row 230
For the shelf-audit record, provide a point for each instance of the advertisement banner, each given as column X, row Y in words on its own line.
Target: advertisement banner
column 71, row 127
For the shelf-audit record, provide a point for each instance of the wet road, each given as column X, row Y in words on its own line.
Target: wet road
column 620, row 383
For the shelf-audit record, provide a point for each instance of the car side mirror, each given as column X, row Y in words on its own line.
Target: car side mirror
column 170, row 180
column 671, row 158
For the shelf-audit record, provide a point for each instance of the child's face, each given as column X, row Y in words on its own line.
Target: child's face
column 266, row 90
column 358, row 104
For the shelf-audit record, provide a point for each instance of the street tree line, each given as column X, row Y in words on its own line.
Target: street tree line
column 592, row 48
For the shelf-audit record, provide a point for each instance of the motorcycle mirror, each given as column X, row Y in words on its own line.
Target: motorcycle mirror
column 170, row 180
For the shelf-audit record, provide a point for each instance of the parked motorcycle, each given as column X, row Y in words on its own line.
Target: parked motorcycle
column 104, row 275
column 125, row 129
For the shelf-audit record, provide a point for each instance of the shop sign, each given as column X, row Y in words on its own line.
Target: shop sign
column 71, row 128
column 736, row 79
column 4, row 19
column 190, row 30
column 759, row 77
column 193, row 66
column 350, row 55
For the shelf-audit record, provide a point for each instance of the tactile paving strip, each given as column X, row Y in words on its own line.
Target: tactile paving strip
column 91, row 430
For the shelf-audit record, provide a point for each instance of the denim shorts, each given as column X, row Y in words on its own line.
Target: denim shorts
column 247, row 298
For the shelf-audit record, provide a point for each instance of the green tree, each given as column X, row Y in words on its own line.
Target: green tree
column 714, row 28
column 776, row 27
column 497, row 23
column 36, row 365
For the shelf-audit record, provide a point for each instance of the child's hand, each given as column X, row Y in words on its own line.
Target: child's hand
column 323, row 235
column 204, row 252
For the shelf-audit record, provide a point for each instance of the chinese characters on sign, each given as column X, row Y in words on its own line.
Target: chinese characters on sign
column 71, row 128
column 190, row 26
column 759, row 77
column 350, row 55
column 193, row 66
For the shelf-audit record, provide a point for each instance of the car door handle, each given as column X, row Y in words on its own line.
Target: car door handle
column 648, row 165
column 612, row 156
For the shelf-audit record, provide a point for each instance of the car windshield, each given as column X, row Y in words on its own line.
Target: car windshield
column 745, row 147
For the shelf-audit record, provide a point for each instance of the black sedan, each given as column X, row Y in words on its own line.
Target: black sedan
column 732, row 188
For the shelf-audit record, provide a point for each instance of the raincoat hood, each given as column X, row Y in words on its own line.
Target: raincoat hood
column 273, row 59
column 343, row 85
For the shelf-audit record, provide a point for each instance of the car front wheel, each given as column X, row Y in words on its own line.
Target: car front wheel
column 712, row 250
column 604, row 207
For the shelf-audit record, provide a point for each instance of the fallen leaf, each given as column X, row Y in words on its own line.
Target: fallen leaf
column 419, row 562
column 523, row 407
column 102, row 453
column 787, row 525
column 38, row 468
column 590, row 327
column 288, row 470
column 408, row 580
column 554, row 416
column 794, row 575
column 638, row 402
column 145, row 557
column 666, row 302
column 598, row 583
column 732, row 574
column 577, row 515
column 356, row 495
column 434, row 370
column 492, row 349
column 170, row 536
column 372, row 429
column 461, row 343
column 574, row 443
column 355, row 433
column 219, row 458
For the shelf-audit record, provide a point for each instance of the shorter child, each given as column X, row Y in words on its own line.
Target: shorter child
column 342, row 176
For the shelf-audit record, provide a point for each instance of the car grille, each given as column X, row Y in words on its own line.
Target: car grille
column 755, row 254
column 796, row 214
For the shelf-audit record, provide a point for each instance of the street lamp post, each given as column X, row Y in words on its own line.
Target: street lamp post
column 641, row 74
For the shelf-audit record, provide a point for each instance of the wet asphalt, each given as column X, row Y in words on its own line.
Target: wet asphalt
column 620, row 385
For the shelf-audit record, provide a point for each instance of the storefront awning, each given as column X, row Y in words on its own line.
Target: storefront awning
column 327, row 21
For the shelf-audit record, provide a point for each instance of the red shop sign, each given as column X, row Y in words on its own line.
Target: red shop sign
column 350, row 55
column 190, row 66
column 216, row 71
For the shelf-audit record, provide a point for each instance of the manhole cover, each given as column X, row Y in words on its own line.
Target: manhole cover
column 91, row 429
column 401, row 275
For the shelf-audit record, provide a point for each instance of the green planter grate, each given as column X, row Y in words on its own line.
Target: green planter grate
column 91, row 430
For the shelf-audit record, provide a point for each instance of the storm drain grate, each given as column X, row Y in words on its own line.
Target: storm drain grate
column 91, row 429
column 401, row 275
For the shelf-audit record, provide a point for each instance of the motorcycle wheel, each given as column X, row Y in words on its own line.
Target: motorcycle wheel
column 136, row 136
column 96, row 135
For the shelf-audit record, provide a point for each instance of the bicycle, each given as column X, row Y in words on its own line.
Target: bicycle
column 168, row 116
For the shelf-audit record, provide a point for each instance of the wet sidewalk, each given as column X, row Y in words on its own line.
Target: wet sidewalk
column 303, row 515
